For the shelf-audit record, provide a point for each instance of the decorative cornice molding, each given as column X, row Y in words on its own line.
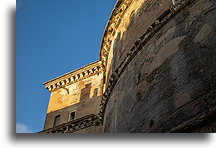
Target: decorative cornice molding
column 74, row 76
column 111, row 26
column 161, row 21
column 75, row 125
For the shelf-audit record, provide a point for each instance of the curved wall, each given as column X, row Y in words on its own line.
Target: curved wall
column 167, row 81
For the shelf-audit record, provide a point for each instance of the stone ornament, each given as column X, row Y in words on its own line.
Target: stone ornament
column 74, row 76
column 159, row 23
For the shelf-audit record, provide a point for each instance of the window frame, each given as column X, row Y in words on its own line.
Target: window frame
column 57, row 119
column 69, row 116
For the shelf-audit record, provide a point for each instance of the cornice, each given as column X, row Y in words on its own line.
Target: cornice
column 161, row 21
column 74, row 76
column 111, row 26
column 75, row 125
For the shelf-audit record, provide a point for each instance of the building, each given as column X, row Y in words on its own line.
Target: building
column 156, row 73
column 75, row 97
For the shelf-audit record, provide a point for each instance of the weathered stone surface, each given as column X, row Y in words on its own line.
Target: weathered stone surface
column 139, row 16
column 175, row 90
column 84, row 97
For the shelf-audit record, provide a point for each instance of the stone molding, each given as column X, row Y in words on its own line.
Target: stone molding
column 111, row 26
column 114, row 21
column 209, row 113
column 74, row 76
column 75, row 125
column 194, row 122
column 161, row 21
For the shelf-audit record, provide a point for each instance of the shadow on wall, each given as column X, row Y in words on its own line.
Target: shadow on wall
column 86, row 92
column 95, row 92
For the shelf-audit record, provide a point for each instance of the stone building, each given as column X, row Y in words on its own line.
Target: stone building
column 156, row 73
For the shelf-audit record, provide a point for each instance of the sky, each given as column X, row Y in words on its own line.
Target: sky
column 53, row 37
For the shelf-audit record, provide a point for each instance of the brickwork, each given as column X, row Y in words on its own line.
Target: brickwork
column 166, row 86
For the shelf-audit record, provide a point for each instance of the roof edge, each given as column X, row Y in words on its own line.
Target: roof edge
column 110, row 29
column 74, row 76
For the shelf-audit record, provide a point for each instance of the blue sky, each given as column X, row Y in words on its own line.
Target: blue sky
column 53, row 37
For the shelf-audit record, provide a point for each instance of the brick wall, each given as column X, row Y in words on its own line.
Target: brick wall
column 169, row 86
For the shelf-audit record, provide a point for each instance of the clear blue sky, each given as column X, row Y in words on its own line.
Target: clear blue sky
column 53, row 37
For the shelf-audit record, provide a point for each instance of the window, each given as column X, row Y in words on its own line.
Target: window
column 57, row 120
column 72, row 115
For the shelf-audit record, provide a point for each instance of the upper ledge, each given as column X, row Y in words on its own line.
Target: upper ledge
column 74, row 76
column 110, row 29
column 75, row 125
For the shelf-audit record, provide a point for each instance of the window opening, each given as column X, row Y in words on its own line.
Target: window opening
column 72, row 115
column 57, row 120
